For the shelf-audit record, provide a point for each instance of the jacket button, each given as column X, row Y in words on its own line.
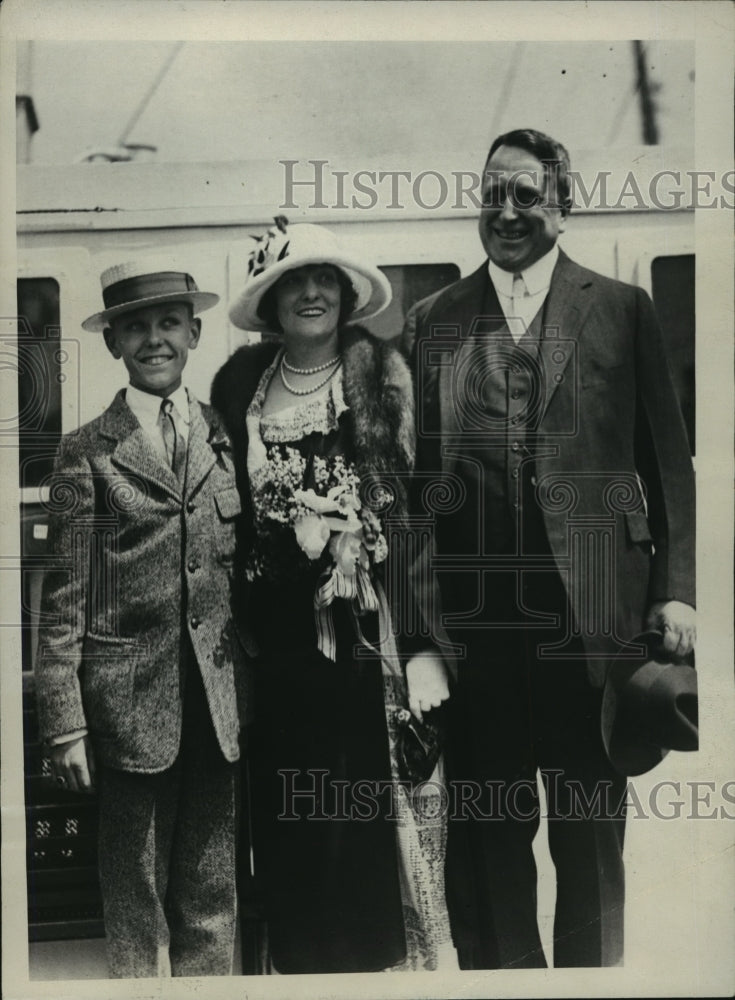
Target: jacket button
column 192, row 565
column 194, row 622
column 190, row 507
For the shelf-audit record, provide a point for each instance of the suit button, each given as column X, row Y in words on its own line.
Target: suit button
column 194, row 622
column 190, row 507
column 192, row 565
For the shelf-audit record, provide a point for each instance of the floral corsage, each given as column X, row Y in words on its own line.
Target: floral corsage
column 331, row 526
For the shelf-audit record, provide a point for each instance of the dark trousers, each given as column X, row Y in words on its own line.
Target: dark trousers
column 515, row 713
column 166, row 849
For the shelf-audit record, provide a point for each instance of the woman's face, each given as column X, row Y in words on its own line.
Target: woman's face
column 308, row 301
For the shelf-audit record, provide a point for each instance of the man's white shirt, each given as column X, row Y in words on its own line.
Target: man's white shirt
column 520, row 311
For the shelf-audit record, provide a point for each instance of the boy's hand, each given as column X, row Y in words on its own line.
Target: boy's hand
column 426, row 677
column 73, row 764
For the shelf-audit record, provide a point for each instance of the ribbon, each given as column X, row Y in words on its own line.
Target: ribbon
column 357, row 587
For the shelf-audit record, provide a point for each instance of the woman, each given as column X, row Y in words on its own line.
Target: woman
column 349, row 860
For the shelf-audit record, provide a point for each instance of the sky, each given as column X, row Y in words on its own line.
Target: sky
column 262, row 100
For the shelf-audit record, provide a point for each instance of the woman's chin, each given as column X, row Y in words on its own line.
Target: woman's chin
column 309, row 331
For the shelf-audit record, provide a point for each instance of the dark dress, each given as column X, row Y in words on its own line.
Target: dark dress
column 349, row 864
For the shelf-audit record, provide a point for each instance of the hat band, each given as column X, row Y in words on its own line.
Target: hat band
column 147, row 286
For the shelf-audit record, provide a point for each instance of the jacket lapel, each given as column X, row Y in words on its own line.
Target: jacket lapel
column 565, row 311
column 134, row 450
column 460, row 310
column 201, row 455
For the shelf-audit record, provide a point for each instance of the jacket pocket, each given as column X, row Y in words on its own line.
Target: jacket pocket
column 639, row 532
column 229, row 508
column 601, row 375
column 228, row 503
column 107, row 684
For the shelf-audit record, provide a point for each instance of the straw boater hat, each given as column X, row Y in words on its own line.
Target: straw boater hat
column 284, row 248
column 149, row 282
column 649, row 706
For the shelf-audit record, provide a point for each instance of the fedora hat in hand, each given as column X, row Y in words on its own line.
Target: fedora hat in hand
column 139, row 283
column 649, row 706
column 284, row 248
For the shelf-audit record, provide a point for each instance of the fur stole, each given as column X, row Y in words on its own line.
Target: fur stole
column 377, row 389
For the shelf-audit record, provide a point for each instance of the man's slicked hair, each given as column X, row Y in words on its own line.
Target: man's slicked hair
column 550, row 152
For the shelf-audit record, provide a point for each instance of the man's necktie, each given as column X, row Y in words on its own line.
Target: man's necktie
column 175, row 445
column 518, row 292
column 516, row 319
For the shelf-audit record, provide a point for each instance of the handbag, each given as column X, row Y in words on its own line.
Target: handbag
column 419, row 746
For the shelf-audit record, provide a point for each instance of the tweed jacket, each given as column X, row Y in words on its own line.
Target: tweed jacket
column 609, row 442
column 379, row 393
column 138, row 566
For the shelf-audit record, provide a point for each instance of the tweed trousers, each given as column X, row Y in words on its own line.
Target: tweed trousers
column 167, row 857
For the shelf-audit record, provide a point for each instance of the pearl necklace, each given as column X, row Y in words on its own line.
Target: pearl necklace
column 315, row 388
column 308, row 371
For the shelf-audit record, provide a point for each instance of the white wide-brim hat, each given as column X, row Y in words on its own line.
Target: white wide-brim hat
column 146, row 282
column 284, row 248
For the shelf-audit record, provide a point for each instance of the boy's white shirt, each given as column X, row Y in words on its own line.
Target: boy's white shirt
column 147, row 409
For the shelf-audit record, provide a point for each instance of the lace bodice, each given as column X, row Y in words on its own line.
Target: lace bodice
column 280, row 462
column 316, row 414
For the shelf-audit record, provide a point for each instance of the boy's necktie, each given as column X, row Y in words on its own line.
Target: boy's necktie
column 175, row 446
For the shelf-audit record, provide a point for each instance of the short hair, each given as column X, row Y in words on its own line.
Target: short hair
column 134, row 308
column 268, row 308
column 549, row 151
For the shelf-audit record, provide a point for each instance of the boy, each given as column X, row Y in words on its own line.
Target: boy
column 141, row 675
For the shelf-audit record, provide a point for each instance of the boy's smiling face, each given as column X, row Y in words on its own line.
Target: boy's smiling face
column 154, row 343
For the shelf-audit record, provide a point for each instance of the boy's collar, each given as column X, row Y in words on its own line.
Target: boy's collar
column 148, row 402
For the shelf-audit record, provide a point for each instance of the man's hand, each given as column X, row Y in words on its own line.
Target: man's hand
column 73, row 762
column 426, row 676
column 677, row 622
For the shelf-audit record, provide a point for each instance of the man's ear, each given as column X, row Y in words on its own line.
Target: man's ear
column 195, row 332
column 111, row 342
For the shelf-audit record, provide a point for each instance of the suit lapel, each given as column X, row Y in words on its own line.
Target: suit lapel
column 565, row 311
column 134, row 450
column 201, row 455
column 460, row 310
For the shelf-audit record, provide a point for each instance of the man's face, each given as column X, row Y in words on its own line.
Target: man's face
column 154, row 343
column 517, row 225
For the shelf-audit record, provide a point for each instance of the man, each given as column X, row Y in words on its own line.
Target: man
column 546, row 407
column 141, row 677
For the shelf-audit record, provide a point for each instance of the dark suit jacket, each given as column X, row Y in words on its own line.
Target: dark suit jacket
column 609, row 433
column 138, row 567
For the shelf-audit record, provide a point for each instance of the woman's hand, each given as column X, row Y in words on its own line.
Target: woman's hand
column 426, row 676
